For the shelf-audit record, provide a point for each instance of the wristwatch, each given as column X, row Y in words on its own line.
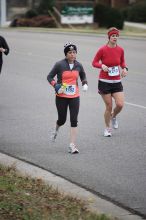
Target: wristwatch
column 126, row 68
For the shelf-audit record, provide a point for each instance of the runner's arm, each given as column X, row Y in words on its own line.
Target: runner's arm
column 5, row 46
column 52, row 74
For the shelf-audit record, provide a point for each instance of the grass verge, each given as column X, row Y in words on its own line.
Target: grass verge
column 127, row 31
column 24, row 198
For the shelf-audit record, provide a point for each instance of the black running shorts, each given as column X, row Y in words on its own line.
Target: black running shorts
column 109, row 88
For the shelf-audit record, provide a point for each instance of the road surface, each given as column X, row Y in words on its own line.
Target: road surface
column 114, row 168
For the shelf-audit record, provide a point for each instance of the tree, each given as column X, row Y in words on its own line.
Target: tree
column 45, row 5
column 33, row 3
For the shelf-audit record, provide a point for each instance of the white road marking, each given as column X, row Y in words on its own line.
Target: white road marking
column 139, row 106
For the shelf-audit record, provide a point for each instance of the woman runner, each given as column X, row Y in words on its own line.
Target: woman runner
column 67, row 91
column 110, row 59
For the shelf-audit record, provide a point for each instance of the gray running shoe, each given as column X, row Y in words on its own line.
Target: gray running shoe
column 115, row 123
column 73, row 149
column 53, row 136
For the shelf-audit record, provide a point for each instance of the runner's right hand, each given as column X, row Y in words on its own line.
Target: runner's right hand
column 104, row 68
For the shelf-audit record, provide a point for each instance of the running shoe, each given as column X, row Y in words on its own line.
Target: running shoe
column 53, row 136
column 115, row 123
column 107, row 132
column 73, row 149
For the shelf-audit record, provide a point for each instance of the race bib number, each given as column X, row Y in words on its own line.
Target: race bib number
column 70, row 90
column 113, row 71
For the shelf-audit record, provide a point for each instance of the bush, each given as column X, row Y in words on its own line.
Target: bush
column 115, row 18
column 107, row 17
column 124, row 12
column 31, row 13
column 137, row 12
column 37, row 21
column 45, row 5
column 24, row 22
column 100, row 14
column 44, row 21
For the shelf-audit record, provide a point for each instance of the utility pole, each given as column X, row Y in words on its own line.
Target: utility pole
column 2, row 12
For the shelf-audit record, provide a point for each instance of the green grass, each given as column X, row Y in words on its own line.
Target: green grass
column 127, row 31
column 24, row 198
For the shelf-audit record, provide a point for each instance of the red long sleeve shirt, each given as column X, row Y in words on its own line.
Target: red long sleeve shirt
column 110, row 57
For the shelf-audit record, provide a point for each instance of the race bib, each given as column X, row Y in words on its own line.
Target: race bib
column 70, row 90
column 113, row 71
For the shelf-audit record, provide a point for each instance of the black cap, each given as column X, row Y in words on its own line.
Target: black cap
column 69, row 47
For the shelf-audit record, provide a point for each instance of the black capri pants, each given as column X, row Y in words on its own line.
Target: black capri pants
column 1, row 66
column 62, row 105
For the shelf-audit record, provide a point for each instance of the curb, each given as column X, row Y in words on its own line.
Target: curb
column 78, row 32
column 94, row 203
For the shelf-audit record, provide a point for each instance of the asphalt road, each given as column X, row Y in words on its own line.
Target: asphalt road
column 114, row 168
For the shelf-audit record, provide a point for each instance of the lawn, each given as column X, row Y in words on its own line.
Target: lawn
column 24, row 198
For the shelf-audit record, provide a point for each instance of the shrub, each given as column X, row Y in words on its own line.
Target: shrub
column 44, row 21
column 100, row 14
column 31, row 13
column 137, row 12
column 24, row 22
column 37, row 21
column 107, row 17
column 45, row 5
column 115, row 18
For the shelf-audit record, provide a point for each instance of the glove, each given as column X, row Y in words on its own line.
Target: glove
column 58, row 88
column 85, row 87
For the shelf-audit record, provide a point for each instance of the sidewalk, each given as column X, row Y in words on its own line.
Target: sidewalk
column 135, row 25
column 94, row 202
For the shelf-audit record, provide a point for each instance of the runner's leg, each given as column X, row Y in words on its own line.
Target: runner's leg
column 119, row 103
column 74, row 110
column 107, row 98
column 61, row 105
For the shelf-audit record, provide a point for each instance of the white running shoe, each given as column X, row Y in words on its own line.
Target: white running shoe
column 115, row 123
column 53, row 136
column 73, row 149
column 107, row 132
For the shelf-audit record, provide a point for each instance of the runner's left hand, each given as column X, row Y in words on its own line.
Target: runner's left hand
column 85, row 87
column 124, row 72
